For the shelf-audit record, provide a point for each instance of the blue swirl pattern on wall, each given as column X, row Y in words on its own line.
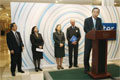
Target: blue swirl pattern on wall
column 46, row 16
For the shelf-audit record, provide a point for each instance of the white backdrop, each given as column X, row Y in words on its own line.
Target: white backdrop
column 46, row 16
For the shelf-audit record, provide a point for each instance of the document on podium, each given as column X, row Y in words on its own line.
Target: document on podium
column 74, row 38
column 39, row 50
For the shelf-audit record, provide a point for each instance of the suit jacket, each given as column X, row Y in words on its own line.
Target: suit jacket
column 12, row 42
column 88, row 24
column 36, row 41
column 58, row 38
column 71, row 32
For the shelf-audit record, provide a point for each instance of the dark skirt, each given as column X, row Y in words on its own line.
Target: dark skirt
column 37, row 55
column 59, row 51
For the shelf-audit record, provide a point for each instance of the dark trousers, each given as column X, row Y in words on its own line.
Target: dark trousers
column 87, row 50
column 71, row 48
column 16, row 61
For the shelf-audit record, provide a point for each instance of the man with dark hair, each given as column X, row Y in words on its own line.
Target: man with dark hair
column 15, row 46
column 73, row 45
column 96, row 8
column 90, row 23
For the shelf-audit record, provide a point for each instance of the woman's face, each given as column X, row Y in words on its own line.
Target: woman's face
column 59, row 28
column 35, row 30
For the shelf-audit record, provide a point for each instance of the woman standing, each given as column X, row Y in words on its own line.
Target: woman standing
column 37, row 42
column 59, row 40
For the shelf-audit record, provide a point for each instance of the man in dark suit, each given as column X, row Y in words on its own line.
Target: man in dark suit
column 73, row 31
column 91, row 23
column 15, row 46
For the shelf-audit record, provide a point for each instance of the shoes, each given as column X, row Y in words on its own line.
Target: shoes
column 70, row 66
column 40, row 69
column 36, row 69
column 76, row 66
column 13, row 73
column 86, row 72
column 21, row 71
column 61, row 67
column 58, row 67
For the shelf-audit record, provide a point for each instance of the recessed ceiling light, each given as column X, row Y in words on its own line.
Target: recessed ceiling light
column 115, row 3
column 56, row 1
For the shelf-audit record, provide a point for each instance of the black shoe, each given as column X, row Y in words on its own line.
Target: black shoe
column 40, row 69
column 36, row 69
column 21, row 71
column 86, row 72
column 75, row 66
column 70, row 66
column 13, row 73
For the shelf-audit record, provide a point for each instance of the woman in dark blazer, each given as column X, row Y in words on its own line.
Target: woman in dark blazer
column 37, row 42
column 59, row 49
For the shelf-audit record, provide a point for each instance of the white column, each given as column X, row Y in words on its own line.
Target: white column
column 107, row 2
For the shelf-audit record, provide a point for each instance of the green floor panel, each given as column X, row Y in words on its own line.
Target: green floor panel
column 78, row 74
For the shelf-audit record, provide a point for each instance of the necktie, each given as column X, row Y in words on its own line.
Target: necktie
column 17, row 38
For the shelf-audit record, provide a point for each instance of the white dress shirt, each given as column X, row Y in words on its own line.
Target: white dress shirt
column 94, row 22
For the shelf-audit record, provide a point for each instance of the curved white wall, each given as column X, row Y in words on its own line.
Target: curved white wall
column 47, row 16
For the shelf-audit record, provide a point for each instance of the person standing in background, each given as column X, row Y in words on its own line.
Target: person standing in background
column 91, row 23
column 37, row 42
column 73, row 31
column 16, row 47
column 59, row 50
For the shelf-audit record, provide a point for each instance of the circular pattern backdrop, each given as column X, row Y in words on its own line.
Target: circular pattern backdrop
column 47, row 16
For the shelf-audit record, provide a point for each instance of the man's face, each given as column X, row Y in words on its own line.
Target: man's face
column 72, row 22
column 14, row 27
column 95, row 13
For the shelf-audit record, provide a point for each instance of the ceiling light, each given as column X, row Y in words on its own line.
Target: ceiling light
column 56, row 1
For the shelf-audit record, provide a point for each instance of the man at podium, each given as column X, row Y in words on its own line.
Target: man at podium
column 73, row 37
column 90, row 23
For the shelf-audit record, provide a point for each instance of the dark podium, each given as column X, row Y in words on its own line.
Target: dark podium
column 99, row 52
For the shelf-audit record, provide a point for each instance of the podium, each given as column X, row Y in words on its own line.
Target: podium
column 99, row 52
